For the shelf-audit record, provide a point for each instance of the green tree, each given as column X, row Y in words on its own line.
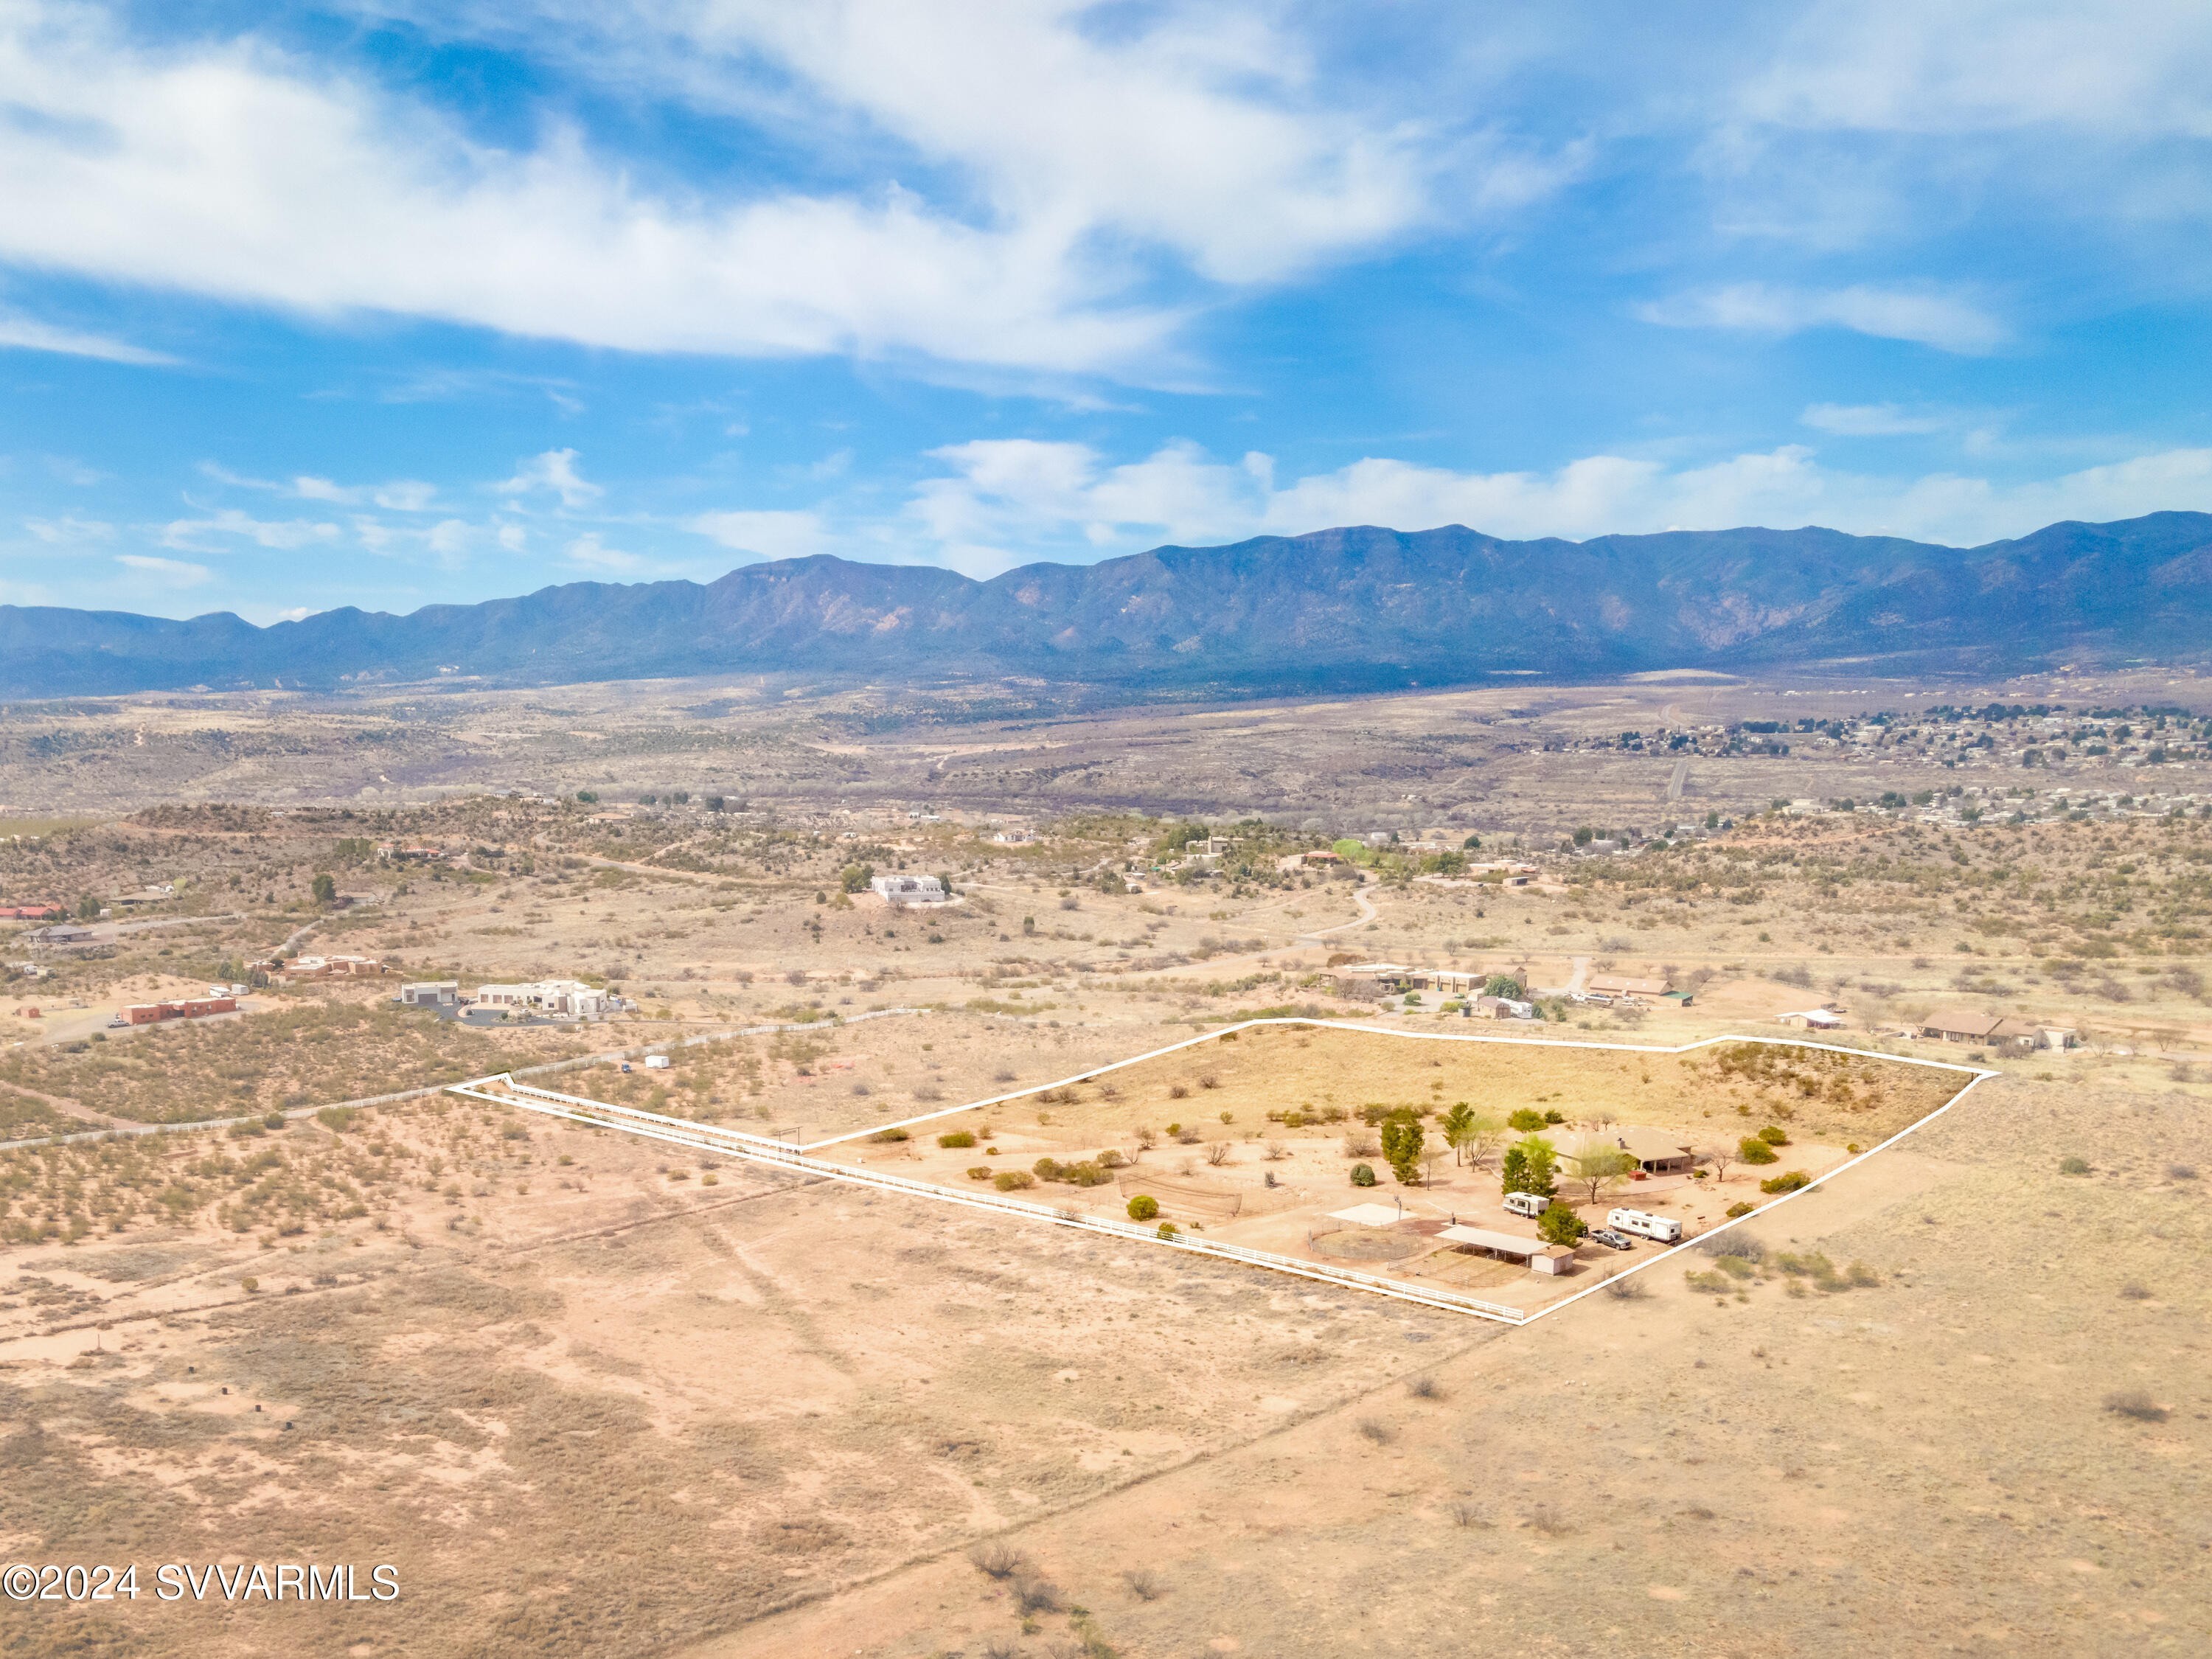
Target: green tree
column 1561, row 1225
column 1530, row 1166
column 325, row 888
column 1751, row 1150
column 1599, row 1167
column 88, row 908
column 1502, row 985
column 1401, row 1145
column 1468, row 1133
column 855, row 878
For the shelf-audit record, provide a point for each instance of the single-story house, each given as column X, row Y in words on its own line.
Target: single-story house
column 339, row 967
column 562, row 998
column 151, row 1013
column 909, row 890
column 1620, row 985
column 1489, row 1007
column 1812, row 1020
column 430, row 994
column 1991, row 1031
column 1657, row 1151
column 33, row 913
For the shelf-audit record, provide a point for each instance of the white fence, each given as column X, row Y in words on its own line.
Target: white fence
column 735, row 1143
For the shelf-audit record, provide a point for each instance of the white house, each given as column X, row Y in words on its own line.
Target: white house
column 563, row 999
column 909, row 890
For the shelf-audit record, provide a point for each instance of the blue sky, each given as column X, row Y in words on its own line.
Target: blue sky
column 393, row 304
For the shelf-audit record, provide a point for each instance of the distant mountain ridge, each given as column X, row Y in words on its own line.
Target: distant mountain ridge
column 1357, row 608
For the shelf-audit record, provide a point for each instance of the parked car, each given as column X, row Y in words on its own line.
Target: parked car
column 1612, row 1240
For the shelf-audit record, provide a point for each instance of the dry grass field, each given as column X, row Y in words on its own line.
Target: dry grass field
column 593, row 1397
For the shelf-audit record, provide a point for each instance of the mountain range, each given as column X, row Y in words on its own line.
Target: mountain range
column 1352, row 608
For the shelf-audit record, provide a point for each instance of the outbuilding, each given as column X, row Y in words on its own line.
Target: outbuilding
column 1534, row 1252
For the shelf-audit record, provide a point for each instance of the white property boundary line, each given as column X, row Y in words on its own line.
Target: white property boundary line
column 736, row 1143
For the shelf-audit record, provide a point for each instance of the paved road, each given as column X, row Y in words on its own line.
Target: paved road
column 1674, row 784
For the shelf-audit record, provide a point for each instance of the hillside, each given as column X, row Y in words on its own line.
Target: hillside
column 1344, row 609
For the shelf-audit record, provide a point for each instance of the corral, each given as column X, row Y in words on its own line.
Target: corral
column 1247, row 1143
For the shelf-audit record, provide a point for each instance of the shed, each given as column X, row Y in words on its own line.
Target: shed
column 1512, row 1247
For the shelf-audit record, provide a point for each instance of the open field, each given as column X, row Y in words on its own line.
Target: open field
column 595, row 1396
column 1252, row 1137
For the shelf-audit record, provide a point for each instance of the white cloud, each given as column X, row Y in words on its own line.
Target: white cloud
column 230, row 171
column 1007, row 503
column 1926, row 316
column 771, row 535
column 1870, row 420
column 401, row 496
column 1010, row 179
column 287, row 535
column 589, row 549
column 69, row 531
column 1972, row 66
column 554, row 471
column 1198, row 128
column 1005, row 489
column 30, row 334
column 169, row 572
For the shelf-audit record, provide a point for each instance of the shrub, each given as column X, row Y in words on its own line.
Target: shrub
column 980, row 1172
column 1741, row 1245
column 1033, row 1595
column 998, row 1559
column 1753, row 1149
column 249, row 1286
column 1144, row 1207
column 891, row 1135
column 1375, row 1430
column 1626, row 1289
column 1552, row 1115
column 1424, row 1388
column 1012, row 1181
column 337, row 1119
column 957, row 1137
column 1169, row 1230
column 1526, row 1120
column 1560, row 1225
column 2135, row 1403
column 1735, row 1210
column 1084, row 1174
column 1145, row 1586
column 2074, row 1166
column 1774, row 1135
column 1788, row 1181
column 1363, row 1174
column 1178, row 1091
column 1048, row 1169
